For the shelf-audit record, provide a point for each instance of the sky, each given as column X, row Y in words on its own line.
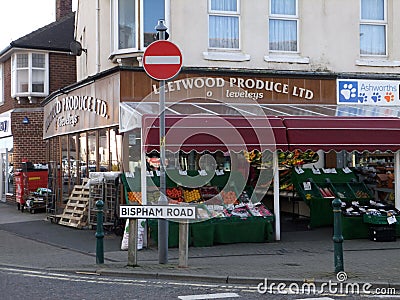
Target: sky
column 20, row 17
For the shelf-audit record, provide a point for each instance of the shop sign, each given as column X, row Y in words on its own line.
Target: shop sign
column 65, row 114
column 5, row 125
column 368, row 92
column 237, row 87
column 157, row 212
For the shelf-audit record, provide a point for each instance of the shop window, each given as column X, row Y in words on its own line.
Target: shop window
column 92, row 152
column 65, row 174
column 115, row 150
column 29, row 74
column 134, row 22
column 223, row 24
column 83, row 154
column 283, row 26
column 373, row 25
column 1, row 84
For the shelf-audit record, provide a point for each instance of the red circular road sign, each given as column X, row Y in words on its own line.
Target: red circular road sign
column 162, row 60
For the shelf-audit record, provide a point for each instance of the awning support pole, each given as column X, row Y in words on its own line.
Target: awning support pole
column 276, row 198
column 397, row 179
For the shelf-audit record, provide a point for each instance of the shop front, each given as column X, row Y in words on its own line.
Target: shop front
column 229, row 137
column 6, row 158
column 81, row 131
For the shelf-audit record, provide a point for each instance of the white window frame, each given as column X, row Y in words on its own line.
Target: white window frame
column 14, row 82
column 2, row 96
column 224, row 13
column 383, row 23
column 139, row 23
column 284, row 17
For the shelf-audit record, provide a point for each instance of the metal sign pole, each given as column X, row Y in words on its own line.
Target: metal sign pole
column 162, row 223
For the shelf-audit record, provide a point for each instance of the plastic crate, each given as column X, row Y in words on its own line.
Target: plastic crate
column 360, row 190
column 343, row 191
column 382, row 233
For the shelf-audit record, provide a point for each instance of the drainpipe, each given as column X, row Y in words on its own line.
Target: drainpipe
column 97, row 36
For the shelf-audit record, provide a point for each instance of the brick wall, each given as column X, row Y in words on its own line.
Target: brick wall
column 62, row 70
column 63, row 7
column 28, row 138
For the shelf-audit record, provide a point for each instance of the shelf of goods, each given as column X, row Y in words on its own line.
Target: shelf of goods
column 223, row 215
column 319, row 190
column 358, row 219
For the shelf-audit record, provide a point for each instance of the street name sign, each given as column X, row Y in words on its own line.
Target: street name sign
column 162, row 60
column 157, row 212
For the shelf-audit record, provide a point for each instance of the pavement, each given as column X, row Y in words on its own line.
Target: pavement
column 302, row 255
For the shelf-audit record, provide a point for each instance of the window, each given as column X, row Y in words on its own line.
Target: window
column 223, row 24
column 283, row 26
column 134, row 23
column 373, row 27
column 29, row 74
column 1, row 84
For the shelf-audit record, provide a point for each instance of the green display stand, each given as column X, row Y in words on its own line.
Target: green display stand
column 354, row 228
column 321, row 212
column 340, row 182
column 202, row 233
column 173, row 233
column 269, row 231
column 236, row 230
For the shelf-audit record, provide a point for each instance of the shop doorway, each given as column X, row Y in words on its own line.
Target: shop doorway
column 6, row 175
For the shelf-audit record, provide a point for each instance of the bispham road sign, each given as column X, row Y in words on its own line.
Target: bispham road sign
column 162, row 60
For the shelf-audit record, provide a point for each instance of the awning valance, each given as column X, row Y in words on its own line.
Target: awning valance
column 343, row 133
column 225, row 126
column 213, row 133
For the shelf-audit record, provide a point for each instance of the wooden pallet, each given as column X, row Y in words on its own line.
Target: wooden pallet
column 76, row 210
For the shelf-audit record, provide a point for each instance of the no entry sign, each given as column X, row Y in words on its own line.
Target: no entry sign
column 162, row 60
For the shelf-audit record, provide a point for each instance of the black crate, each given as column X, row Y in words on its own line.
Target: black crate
column 382, row 233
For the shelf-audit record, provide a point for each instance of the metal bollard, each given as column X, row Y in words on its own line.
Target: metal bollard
column 99, row 233
column 337, row 235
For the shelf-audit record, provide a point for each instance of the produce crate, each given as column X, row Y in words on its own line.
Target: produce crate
column 378, row 219
column 208, row 192
column 307, row 195
column 191, row 195
column 360, row 190
column 343, row 191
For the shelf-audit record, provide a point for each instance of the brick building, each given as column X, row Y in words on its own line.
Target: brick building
column 32, row 67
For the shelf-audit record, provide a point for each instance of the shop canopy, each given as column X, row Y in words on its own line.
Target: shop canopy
column 224, row 126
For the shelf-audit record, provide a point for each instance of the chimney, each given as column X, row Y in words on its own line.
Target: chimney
column 63, row 8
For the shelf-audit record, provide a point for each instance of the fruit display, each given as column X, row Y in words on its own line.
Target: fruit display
column 208, row 192
column 297, row 157
column 326, row 192
column 258, row 210
column 153, row 197
column 175, row 194
column 229, row 197
column 202, row 212
column 362, row 194
column 191, row 195
column 135, row 197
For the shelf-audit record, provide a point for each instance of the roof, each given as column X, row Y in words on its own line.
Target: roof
column 55, row 36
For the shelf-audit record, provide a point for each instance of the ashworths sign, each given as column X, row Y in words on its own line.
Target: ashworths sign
column 368, row 92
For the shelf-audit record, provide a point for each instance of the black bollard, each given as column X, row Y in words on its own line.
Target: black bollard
column 337, row 235
column 99, row 233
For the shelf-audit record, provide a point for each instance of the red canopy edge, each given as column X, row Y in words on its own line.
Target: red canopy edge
column 286, row 133
column 342, row 133
column 213, row 133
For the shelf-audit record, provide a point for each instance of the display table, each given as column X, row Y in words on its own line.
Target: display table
column 219, row 231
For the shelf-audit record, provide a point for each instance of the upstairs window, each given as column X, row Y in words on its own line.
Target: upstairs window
column 283, row 26
column 29, row 74
column 223, row 24
column 134, row 23
column 373, row 27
